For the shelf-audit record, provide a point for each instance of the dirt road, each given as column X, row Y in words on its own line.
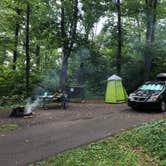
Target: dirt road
column 56, row 130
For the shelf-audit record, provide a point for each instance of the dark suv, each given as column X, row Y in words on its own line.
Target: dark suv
column 151, row 94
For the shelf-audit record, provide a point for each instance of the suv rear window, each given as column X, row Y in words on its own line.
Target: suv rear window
column 154, row 87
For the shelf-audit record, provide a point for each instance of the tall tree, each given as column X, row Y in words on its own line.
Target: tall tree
column 92, row 12
column 151, row 6
column 38, row 56
column 17, row 27
column 68, row 34
column 27, row 48
column 119, row 55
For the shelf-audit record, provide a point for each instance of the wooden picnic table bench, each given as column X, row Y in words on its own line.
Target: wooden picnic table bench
column 58, row 98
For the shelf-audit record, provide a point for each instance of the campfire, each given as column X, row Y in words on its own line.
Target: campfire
column 26, row 111
column 21, row 112
column 17, row 112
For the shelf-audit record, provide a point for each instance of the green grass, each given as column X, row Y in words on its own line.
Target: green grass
column 9, row 107
column 5, row 108
column 142, row 146
column 8, row 127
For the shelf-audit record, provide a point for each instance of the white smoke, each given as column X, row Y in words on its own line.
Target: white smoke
column 30, row 106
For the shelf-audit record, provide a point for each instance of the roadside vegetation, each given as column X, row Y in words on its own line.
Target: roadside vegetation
column 8, row 102
column 144, row 145
column 8, row 127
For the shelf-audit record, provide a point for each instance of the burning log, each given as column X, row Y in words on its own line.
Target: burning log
column 27, row 116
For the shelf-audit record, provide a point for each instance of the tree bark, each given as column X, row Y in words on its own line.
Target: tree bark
column 2, row 58
column 64, row 42
column 64, row 72
column 151, row 6
column 67, row 40
column 27, row 50
column 147, row 47
column 139, row 28
column 154, row 21
column 38, row 56
column 119, row 55
column 74, row 24
column 17, row 26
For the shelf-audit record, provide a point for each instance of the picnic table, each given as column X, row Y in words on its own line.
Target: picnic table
column 58, row 98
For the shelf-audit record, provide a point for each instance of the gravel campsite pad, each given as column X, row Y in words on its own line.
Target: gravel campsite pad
column 55, row 130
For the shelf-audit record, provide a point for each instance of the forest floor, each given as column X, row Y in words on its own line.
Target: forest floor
column 56, row 130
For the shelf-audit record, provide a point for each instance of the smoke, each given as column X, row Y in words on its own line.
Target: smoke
column 49, row 83
column 30, row 106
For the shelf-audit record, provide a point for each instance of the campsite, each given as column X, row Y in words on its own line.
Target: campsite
column 83, row 82
column 56, row 130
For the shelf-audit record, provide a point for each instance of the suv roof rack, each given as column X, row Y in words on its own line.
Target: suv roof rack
column 161, row 77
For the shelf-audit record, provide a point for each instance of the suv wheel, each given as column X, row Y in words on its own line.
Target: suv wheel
column 163, row 106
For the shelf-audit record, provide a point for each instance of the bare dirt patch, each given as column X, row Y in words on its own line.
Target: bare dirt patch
column 78, row 111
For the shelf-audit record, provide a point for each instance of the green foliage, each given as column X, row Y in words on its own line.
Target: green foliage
column 151, row 137
column 97, row 52
column 11, row 82
column 144, row 145
column 132, row 73
column 91, row 68
column 8, row 127
column 154, row 139
column 101, row 153
column 13, row 100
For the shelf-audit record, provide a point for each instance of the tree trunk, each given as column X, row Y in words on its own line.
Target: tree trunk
column 148, row 39
column 27, row 50
column 151, row 6
column 154, row 22
column 119, row 55
column 63, row 76
column 17, row 26
column 38, row 56
column 139, row 28
column 80, row 73
column 67, row 40
column 64, row 72
column 2, row 58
